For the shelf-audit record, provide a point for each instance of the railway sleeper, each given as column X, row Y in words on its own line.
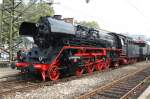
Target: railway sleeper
column 118, row 93
column 96, row 97
column 108, row 95
column 140, row 77
column 130, row 83
column 124, row 87
column 134, row 81
column 118, row 89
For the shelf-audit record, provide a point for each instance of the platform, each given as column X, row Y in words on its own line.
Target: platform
column 145, row 94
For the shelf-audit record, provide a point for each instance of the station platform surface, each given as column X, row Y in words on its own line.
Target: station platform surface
column 145, row 94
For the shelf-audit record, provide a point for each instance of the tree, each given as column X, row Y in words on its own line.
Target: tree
column 15, row 12
column 37, row 10
column 23, row 12
column 90, row 24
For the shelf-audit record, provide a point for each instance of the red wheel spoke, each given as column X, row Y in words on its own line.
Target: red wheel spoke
column 53, row 73
column 89, row 67
column 99, row 66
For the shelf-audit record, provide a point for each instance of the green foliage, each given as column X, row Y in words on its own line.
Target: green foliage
column 37, row 10
column 90, row 24
column 23, row 12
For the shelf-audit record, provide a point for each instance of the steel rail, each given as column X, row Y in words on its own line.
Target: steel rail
column 49, row 83
column 107, row 86
column 42, row 84
column 133, row 89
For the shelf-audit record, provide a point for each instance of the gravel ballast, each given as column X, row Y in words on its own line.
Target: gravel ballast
column 6, row 73
column 71, row 89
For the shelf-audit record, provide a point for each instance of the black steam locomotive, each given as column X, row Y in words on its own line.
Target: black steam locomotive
column 66, row 49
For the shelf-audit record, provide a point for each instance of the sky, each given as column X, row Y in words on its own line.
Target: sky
column 121, row 16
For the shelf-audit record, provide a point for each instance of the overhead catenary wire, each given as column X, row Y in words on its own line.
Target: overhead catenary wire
column 145, row 18
column 80, row 12
column 84, row 14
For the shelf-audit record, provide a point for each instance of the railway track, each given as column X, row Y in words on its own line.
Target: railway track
column 7, row 77
column 15, row 77
column 10, row 87
column 122, row 88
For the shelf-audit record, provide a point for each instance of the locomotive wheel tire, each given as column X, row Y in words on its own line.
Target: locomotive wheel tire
column 79, row 71
column 53, row 73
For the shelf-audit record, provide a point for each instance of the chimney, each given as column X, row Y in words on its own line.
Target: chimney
column 69, row 20
column 58, row 17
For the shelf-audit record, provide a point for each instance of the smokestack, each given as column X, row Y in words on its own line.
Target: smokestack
column 58, row 17
column 69, row 20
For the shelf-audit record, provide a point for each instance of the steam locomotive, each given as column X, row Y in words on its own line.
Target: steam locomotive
column 63, row 48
